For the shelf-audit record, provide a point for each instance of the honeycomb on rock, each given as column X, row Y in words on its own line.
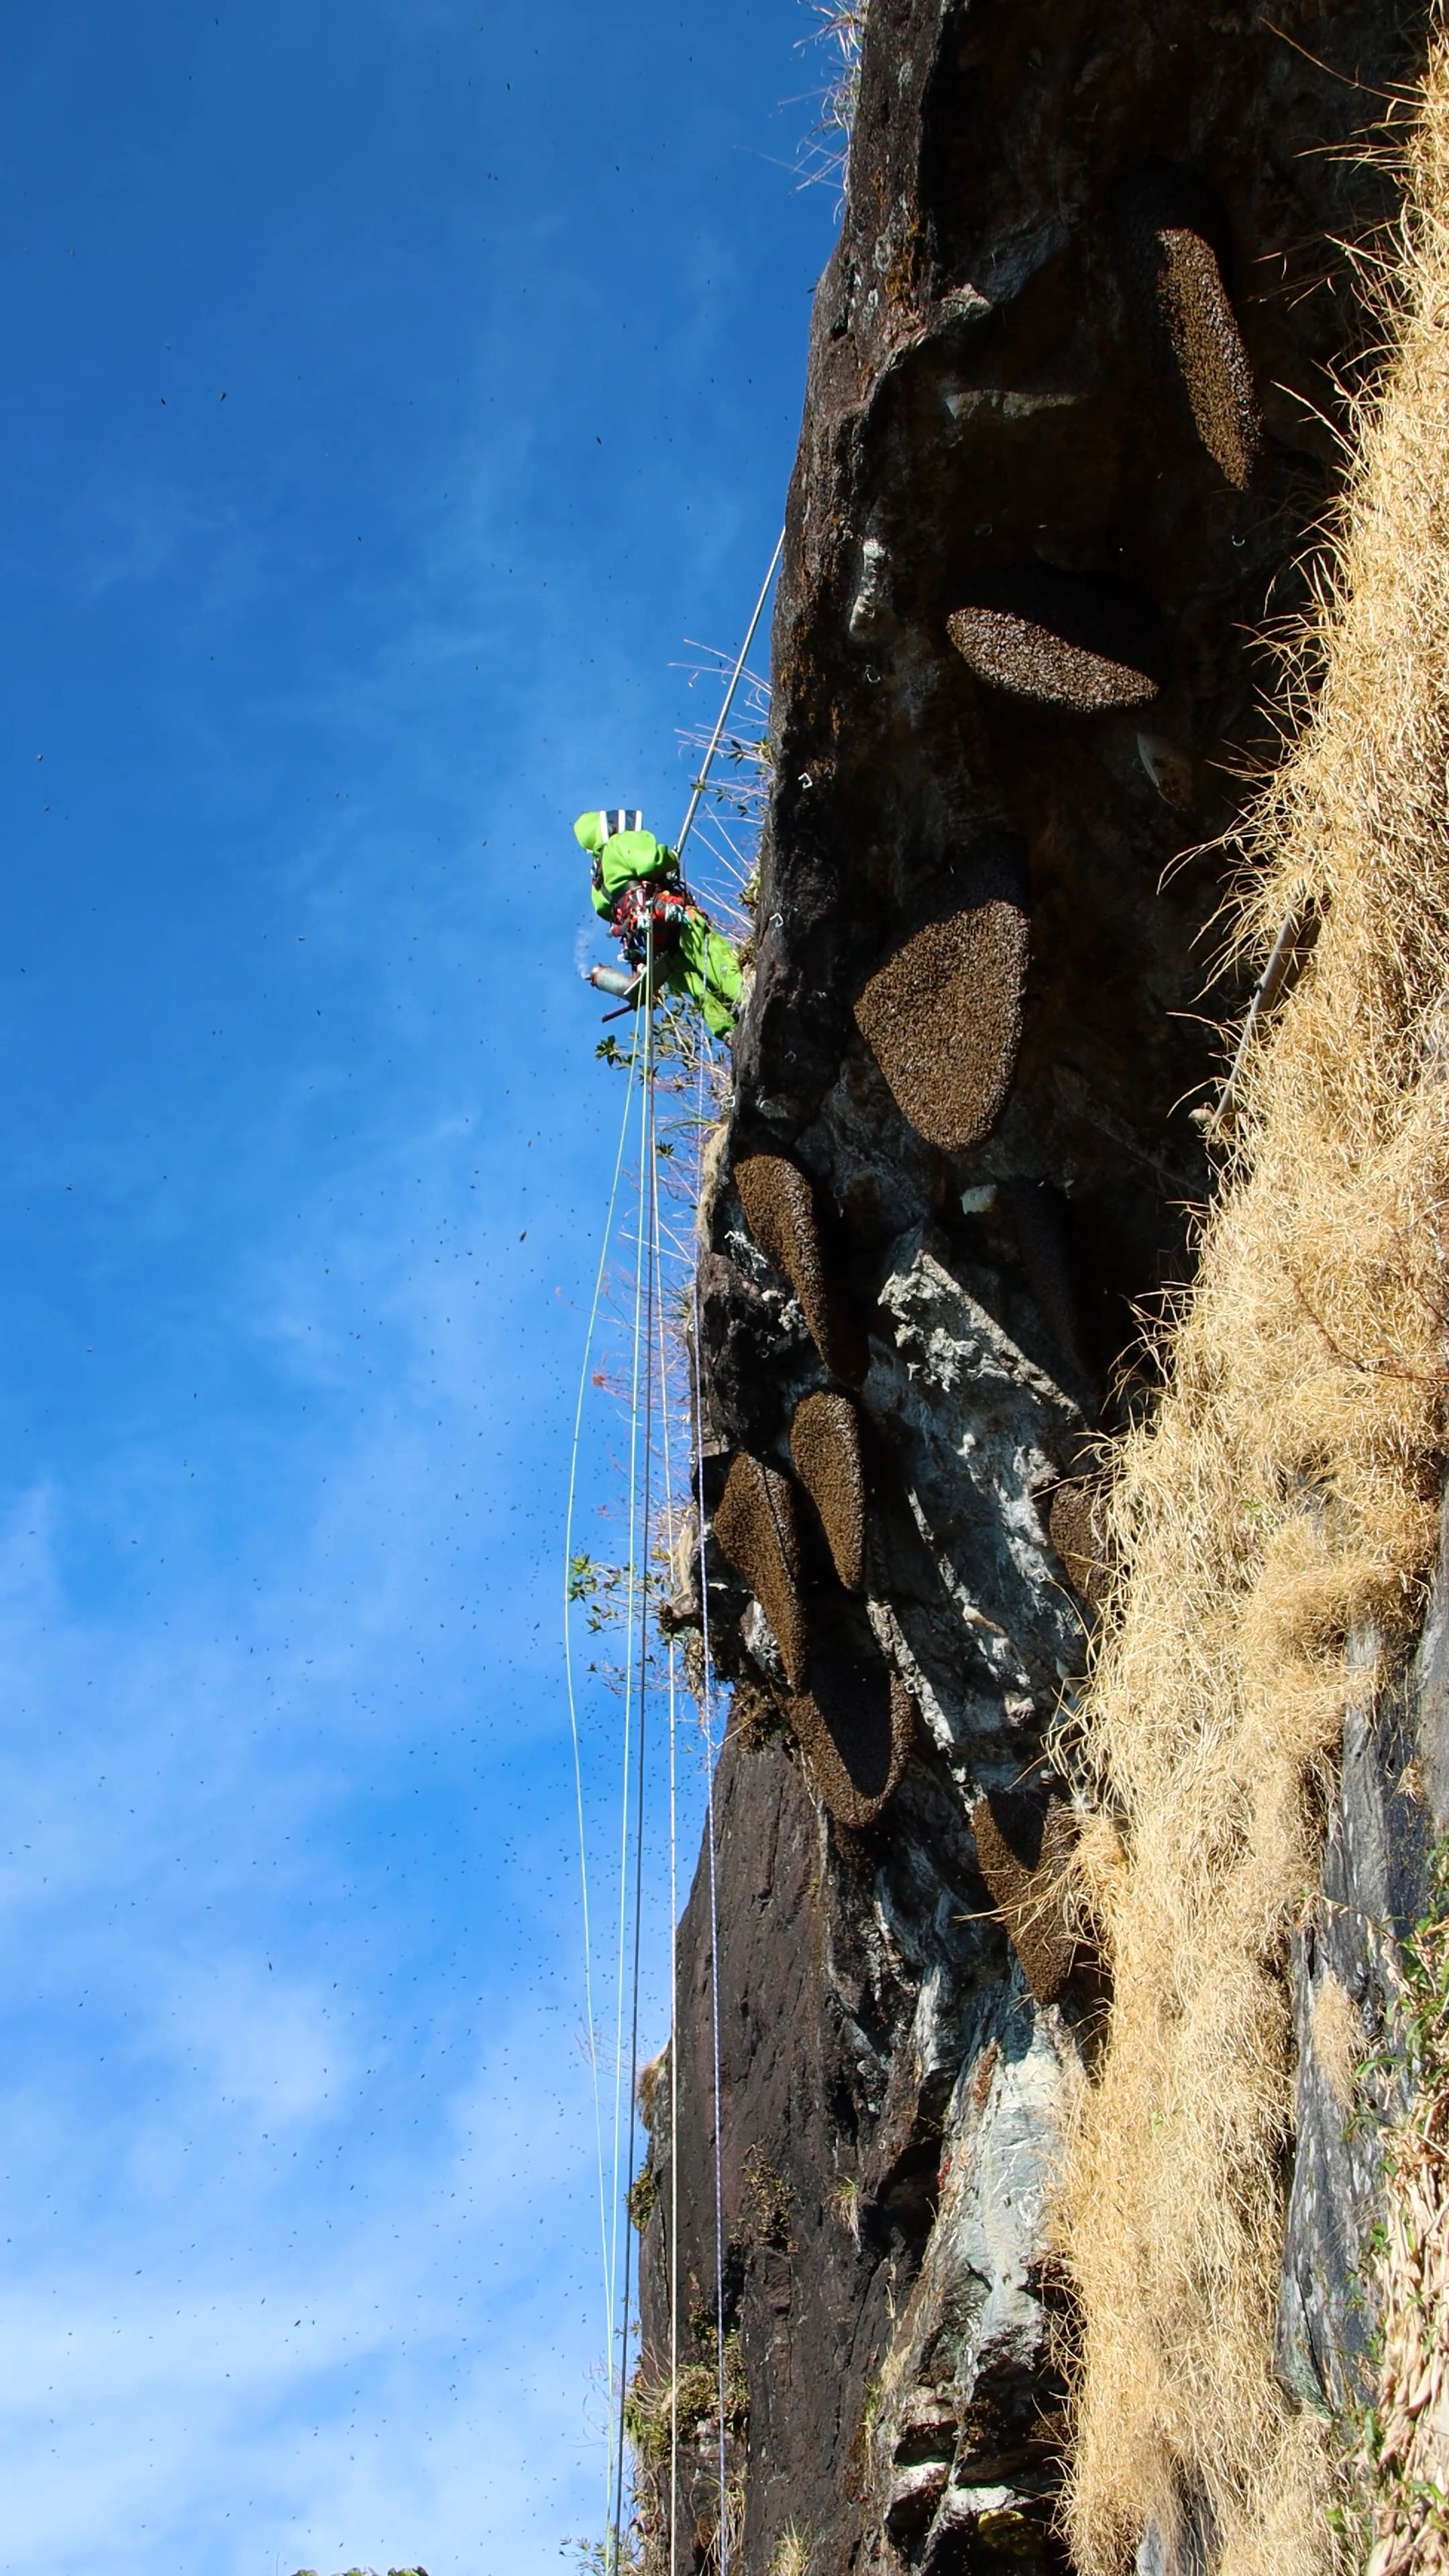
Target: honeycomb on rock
column 943, row 1020
column 1202, row 331
column 825, row 1446
column 1073, row 1526
column 756, row 1529
column 1168, row 222
column 1075, row 640
column 1023, row 1847
column 779, row 1206
column 855, row 1725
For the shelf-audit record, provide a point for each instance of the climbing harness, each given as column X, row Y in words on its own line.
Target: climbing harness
column 651, row 912
column 649, row 919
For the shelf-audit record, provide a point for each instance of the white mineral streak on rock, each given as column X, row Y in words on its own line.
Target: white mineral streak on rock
column 979, row 1431
column 759, row 1636
column 783, row 1305
column 972, row 1715
column 870, row 609
column 945, row 1336
column 998, row 402
column 971, row 2341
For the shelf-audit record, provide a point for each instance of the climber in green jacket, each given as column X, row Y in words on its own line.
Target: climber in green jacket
column 638, row 890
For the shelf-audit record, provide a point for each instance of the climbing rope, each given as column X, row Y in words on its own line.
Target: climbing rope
column 716, row 737
column 673, row 1720
column 572, row 1697
column 707, row 1715
column 638, row 1620
column 648, row 1330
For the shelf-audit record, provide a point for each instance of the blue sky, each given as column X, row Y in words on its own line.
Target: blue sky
column 391, row 390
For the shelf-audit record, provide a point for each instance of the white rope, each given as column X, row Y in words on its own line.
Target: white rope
column 706, row 1697
column 639, row 1595
column 647, row 1248
column 706, row 1710
column 644, row 1018
column 714, row 740
column 673, row 2243
column 574, row 1729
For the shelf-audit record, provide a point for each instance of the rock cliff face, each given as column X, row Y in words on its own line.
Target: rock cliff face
column 1062, row 446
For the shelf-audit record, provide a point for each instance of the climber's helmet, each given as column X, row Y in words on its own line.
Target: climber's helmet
column 591, row 831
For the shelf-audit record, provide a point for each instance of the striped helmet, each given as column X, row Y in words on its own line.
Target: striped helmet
column 601, row 822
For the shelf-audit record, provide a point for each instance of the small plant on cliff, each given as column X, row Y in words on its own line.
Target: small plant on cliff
column 603, row 2557
column 844, row 2205
column 658, row 2410
column 791, row 2553
column 679, row 2418
column 1402, row 2520
column 643, row 2198
column 768, row 2201
column 754, row 1717
column 840, row 27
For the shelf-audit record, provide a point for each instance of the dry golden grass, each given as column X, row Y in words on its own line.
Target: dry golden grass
column 1410, row 2512
column 1340, row 2042
column 791, row 2553
column 1283, row 1496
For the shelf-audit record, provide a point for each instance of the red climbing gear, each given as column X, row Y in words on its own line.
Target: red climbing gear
column 643, row 903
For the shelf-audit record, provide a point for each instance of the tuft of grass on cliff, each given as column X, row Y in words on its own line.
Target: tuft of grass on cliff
column 840, row 29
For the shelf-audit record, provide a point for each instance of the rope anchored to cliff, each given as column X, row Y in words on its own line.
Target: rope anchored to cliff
column 671, row 946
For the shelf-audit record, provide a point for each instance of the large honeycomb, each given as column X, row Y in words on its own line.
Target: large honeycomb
column 825, row 1446
column 756, row 1528
column 1202, row 332
column 855, row 1725
column 1168, row 225
column 1066, row 639
column 779, row 1207
column 943, row 1018
column 1074, row 1527
column 1023, row 1848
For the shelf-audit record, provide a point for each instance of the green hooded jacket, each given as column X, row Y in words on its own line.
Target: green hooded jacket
column 703, row 964
column 620, row 857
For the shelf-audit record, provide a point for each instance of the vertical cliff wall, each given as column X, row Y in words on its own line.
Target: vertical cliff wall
column 1062, row 448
